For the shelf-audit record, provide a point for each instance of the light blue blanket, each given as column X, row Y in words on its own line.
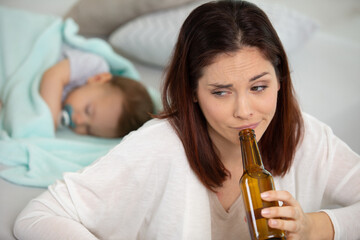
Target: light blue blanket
column 29, row 44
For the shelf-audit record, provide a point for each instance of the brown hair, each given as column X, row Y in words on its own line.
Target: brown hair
column 137, row 104
column 212, row 29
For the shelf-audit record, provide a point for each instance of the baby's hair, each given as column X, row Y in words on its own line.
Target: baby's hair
column 137, row 104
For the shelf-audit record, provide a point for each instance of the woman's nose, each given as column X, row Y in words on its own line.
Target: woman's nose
column 243, row 108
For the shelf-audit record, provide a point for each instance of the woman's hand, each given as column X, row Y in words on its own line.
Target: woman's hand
column 292, row 219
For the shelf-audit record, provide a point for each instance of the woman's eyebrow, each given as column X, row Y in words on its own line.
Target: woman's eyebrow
column 258, row 76
column 220, row 85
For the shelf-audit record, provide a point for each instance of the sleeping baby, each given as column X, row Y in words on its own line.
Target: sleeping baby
column 83, row 95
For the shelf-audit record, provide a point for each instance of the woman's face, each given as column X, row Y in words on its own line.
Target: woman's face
column 237, row 91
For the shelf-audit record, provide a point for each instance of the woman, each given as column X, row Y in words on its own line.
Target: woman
column 177, row 177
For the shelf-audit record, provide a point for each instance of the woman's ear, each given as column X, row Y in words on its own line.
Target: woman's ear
column 100, row 78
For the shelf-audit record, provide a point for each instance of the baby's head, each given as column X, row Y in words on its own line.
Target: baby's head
column 109, row 106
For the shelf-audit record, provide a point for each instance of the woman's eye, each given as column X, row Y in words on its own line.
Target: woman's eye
column 258, row 88
column 219, row 93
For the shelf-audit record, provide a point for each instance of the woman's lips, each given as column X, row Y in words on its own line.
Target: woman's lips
column 252, row 126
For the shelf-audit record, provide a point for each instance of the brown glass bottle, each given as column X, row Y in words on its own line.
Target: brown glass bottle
column 253, row 182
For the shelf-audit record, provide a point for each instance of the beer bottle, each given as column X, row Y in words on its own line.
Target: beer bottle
column 253, row 182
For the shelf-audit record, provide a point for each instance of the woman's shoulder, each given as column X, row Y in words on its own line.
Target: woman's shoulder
column 319, row 141
column 154, row 130
column 318, row 135
column 312, row 152
column 154, row 146
column 311, row 121
column 314, row 128
column 154, row 137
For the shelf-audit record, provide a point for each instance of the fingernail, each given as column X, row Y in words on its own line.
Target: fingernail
column 265, row 195
column 265, row 211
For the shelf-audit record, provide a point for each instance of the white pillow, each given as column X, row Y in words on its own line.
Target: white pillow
column 150, row 38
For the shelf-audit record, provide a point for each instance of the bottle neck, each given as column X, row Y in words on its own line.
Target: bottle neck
column 249, row 150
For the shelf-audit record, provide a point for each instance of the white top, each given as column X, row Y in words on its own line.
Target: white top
column 145, row 189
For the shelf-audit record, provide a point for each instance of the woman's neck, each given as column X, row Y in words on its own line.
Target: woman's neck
column 229, row 154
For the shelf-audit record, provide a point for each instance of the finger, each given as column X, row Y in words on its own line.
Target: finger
column 287, row 225
column 283, row 196
column 288, row 212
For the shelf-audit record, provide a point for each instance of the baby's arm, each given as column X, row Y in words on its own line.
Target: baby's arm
column 51, row 87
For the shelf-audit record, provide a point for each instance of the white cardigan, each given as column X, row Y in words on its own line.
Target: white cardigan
column 145, row 189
